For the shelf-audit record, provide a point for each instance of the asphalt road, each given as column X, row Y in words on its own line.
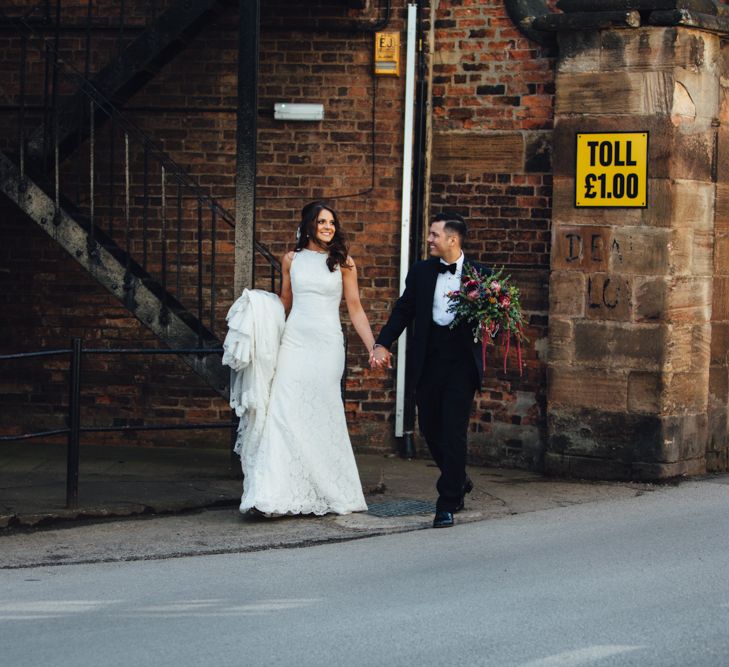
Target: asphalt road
column 640, row 581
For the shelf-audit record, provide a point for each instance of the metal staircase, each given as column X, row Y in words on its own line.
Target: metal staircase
column 120, row 206
column 163, row 39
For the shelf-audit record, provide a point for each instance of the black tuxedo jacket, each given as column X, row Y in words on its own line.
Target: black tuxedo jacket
column 416, row 305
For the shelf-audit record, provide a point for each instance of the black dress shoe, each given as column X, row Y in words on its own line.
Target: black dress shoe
column 459, row 507
column 443, row 519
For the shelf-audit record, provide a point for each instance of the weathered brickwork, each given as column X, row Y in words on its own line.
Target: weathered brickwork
column 491, row 161
column 46, row 302
column 307, row 54
column 491, row 143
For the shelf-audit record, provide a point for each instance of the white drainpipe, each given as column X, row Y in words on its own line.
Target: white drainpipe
column 407, row 172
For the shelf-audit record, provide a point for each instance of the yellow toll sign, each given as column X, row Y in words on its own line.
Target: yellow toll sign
column 612, row 169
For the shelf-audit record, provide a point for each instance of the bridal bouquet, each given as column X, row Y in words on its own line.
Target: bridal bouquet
column 490, row 305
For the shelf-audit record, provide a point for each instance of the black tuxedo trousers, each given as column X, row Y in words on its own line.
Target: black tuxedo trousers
column 444, row 396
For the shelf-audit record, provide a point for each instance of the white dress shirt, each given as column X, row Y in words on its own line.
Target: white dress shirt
column 446, row 282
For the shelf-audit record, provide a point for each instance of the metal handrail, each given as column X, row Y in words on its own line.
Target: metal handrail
column 103, row 103
column 75, row 429
column 99, row 105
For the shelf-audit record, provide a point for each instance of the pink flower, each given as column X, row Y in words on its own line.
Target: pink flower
column 505, row 302
column 495, row 286
column 473, row 294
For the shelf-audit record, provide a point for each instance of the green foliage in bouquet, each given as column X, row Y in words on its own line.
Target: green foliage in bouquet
column 491, row 306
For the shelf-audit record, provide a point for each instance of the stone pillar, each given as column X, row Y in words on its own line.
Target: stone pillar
column 631, row 288
column 717, row 454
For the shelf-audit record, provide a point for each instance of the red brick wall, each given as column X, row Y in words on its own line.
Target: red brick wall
column 189, row 110
column 490, row 86
column 492, row 120
column 47, row 299
column 331, row 160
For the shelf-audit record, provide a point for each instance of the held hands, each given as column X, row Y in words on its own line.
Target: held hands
column 380, row 357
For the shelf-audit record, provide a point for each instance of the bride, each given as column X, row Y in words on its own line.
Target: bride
column 303, row 463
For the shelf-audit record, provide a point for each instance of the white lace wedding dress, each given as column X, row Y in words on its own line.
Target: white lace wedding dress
column 303, row 463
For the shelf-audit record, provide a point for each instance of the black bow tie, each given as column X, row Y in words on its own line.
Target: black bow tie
column 442, row 268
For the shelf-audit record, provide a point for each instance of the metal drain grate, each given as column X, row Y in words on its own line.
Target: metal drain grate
column 401, row 508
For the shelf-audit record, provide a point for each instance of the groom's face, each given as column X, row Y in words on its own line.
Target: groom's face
column 441, row 241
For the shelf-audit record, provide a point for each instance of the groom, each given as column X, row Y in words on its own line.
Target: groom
column 448, row 367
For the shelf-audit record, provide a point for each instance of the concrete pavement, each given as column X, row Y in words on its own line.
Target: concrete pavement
column 183, row 501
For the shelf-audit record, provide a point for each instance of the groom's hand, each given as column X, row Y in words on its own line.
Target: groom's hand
column 380, row 356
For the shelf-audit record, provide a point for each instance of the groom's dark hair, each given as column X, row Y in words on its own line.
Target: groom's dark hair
column 453, row 223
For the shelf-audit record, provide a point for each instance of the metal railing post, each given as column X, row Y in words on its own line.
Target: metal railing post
column 74, row 425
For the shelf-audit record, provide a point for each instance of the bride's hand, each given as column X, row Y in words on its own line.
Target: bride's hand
column 380, row 356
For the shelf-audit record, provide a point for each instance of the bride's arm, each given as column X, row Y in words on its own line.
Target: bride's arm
column 286, row 295
column 354, row 306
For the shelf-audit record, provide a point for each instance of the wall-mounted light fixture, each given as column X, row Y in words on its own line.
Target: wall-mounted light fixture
column 291, row 111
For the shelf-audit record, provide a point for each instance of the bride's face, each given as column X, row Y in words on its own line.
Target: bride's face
column 325, row 227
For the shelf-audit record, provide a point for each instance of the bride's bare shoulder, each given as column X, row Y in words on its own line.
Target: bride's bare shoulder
column 288, row 258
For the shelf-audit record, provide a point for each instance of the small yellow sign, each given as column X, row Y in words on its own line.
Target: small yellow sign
column 387, row 53
column 611, row 169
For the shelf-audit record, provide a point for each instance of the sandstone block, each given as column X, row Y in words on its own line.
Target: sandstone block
column 720, row 299
column 680, row 248
column 584, row 247
column 687, row 348
column 719, row 344
column 649, row 472
column 561, row 340
column 721, row 213
column 595, row 433
column 579, row 51
column 702, row 253
column 585, row 387
column 719, row 388
column 717, row 461
column 644, row 392
column 614, row 345
column 567, row 294
column 722, row 163
column 659, row 447
column 695, row 101
column 608, row 297
column 689, row 300
column 585, row 467
column 649, row 298
column 685, row 393
column 641, row 251
column 721, row 255
column 689, row 433
column 692, row 204
column 633, row 93
column 654, row 48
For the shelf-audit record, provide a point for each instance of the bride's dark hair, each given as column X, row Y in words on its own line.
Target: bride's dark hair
column 338, row 248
